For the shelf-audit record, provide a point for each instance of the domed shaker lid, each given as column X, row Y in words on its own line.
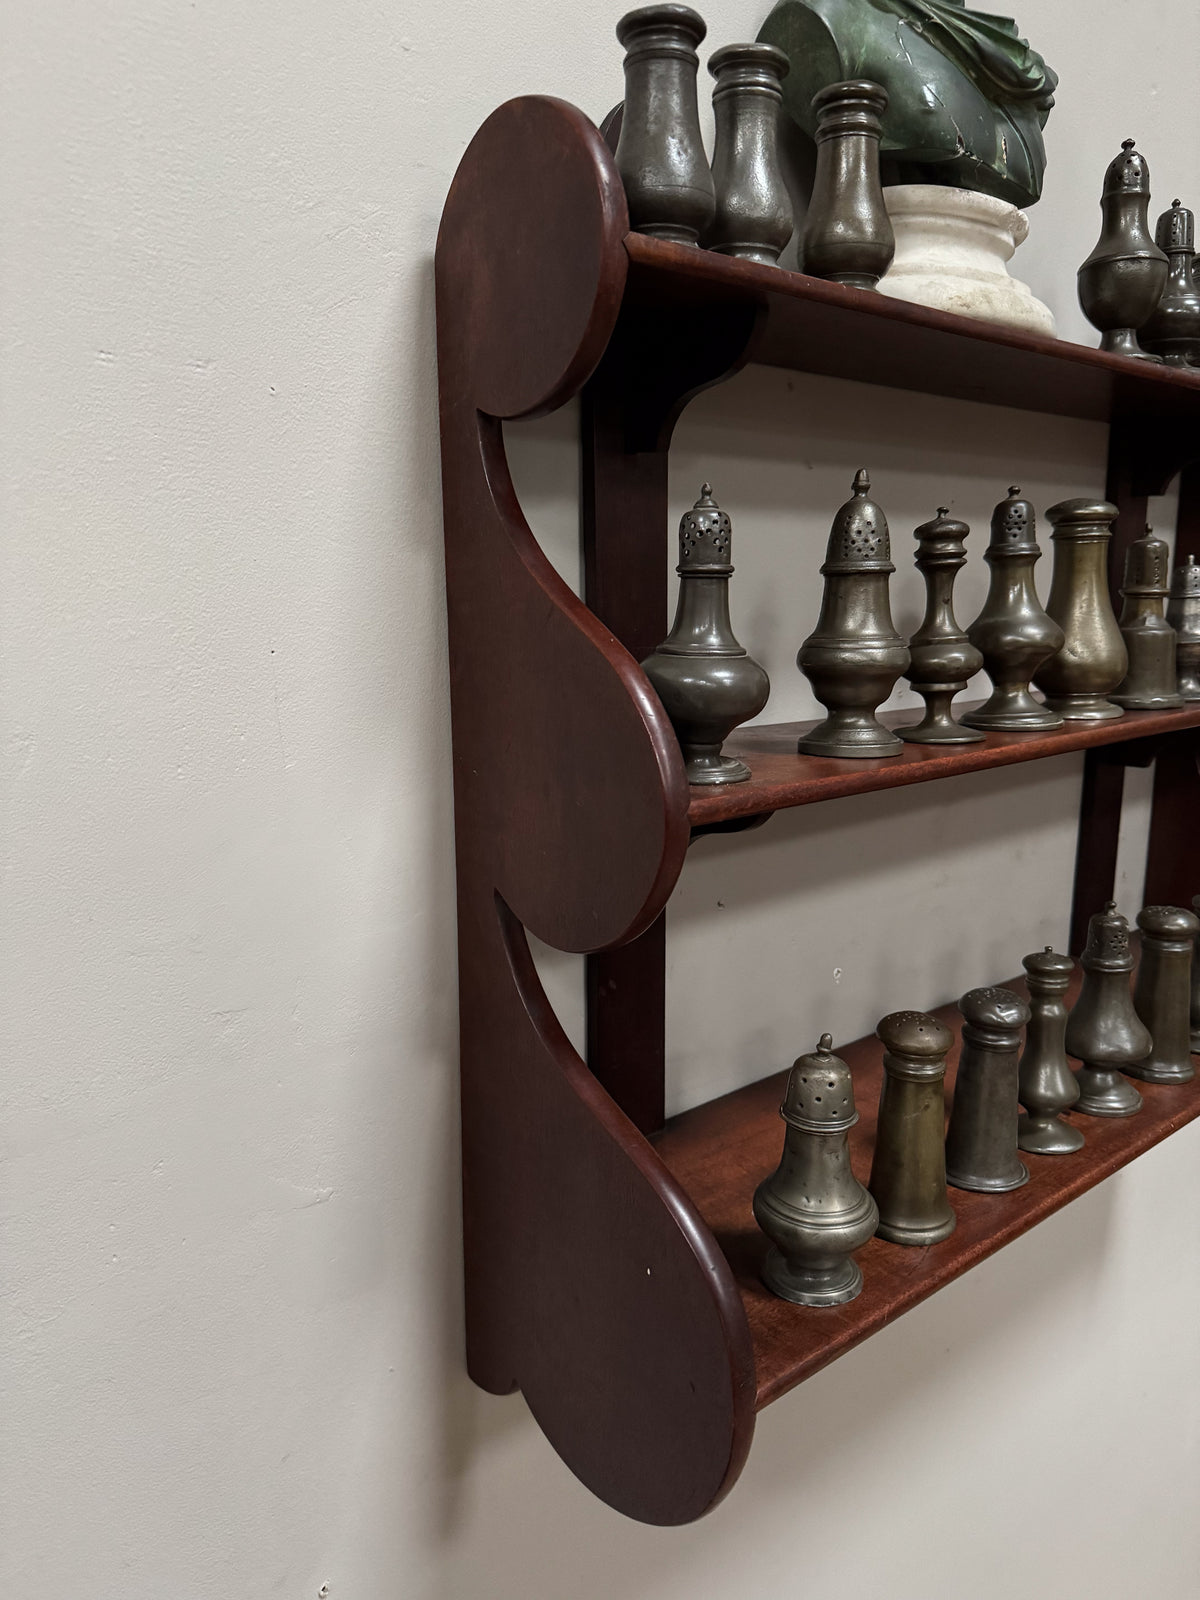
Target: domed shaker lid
column 1048, row 964
column 916, row 1044
column 1127, row 173
column 1168, row 922
column 1176, row 229
column 1081, row 518
column 859, row 540
column 705, row 537
column 994, row 1013
column 1185, row 580
column 1146, row 564
column 940, row 541
column 1108, row 942
column 819, row 1097
column 1014, row 528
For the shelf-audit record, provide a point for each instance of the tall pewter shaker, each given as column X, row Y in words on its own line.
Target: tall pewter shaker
column 1162, row 993
column 908, row 1173
column 812, row 1208
column 1092, row 660
column 754, row 209
column 1013, row 631
column 1183, row 613
column 1047, row 1084
column 1122, row 280
column 1196, row 986
column 1104, row 1032
column 981, row 1141
column 1150, row 683
column 848, row 235
column 942, row 659
column 660, row 154
column 1173, row 331
column 855, row 654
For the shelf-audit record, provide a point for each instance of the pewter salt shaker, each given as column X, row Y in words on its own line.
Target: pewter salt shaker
column 1122, row 280
column 812, row 1208
column 1183, row 614
column 1162, row 993
column 908, row 1172
column 754, row 210
column 1150, row 683
column 1173, row 331
column 1047, row 1084
column 704, row 678
column 943, row 659
column 1195, row 1008
column 848, row 235
column 1104, row 1032
column 1092, row 660
column 855, row 655
column 981, row 1142
column 660, row 153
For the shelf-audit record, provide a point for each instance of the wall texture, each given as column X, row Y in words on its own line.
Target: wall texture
column 232, row 1312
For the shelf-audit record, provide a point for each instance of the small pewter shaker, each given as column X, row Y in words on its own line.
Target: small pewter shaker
column 660, row 153
column 1047, row 1084
column 1092, row 660
column 943, row 659
column 848, row 235
column 1104, row 1032
column 855, row 655
column 1195, row 1008
column 754, row 209
column 1173, row 331
column 1162, row 993
column 981, row 1142
column 812, row 1208
column 705, row 680
column 1150, row 683
column 1183, row 613
column 1013, row 631
column 908, row 1172
column 1121, row 281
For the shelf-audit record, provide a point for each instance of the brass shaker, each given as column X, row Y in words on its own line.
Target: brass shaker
column 812, row 1208
column 1093, row 659
column 1162, row 992
column 1047, row 1084
column 1104, row 1032
column 1196, row 986
column 981, row 1142
column 942, row 659
column 1183, row 613
column 855, row 654
column 908, row 1172
column 1150, row 683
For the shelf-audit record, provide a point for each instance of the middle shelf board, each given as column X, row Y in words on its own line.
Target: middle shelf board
column 722, row 1150
column 781, row 777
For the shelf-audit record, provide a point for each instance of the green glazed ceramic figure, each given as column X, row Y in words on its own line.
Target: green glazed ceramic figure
column 967, row 97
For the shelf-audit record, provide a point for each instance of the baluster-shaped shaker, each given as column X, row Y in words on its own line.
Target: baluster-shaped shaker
column 1013, row 631
column 660, row 153
column 943, row 659
column 812, row 1208
column 1195, row 1008
column 1121, row 281
column 1093, row 659
column 754, row 209
column 908, row 1172
column 1047, row 1084
column 1173, row 331
column 855, row 654
column 1150, row 682
column 1162, row 993
column 981, row 1141
column 1104, row 1032
column 705, row 680
column 1183, row 613
column 848, row 235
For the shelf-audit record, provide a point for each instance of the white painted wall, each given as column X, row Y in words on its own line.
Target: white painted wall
column 233, row 1314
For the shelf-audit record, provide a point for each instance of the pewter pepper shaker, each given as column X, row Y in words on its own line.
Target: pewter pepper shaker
column 1121, row 281
column 1150, row 683
column 1047, row 1084
column 1104, row 1032
column 848, row 236
column 705, row 680
column 754, row 209
column 1162, row 993
column 1092, row 660
column 812, row 1208
column 1173, row 331
column 1183, row 614
column 1195, row 1007
column 908, row 1172
column 981, row 1142
column 855, row 655
column 942, row 659
column 660, row 154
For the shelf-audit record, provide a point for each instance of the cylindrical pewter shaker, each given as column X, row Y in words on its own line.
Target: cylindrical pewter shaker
column 1183, row 613
column 1173, row 331
column 1104, row 1032
column 1093, row 659
column 1150, row 683
column 855, row 655
column 1122, row 280
column 1013, row 631
column 705, row 680
column 1162, row 993
column 908, row 1173
column 848, row 235
column 660, row 153
column 942, row 659
column 981, row 1141
column 1047, row 1084
column 1196, row 986
column 812, row 1208
column 754, row 209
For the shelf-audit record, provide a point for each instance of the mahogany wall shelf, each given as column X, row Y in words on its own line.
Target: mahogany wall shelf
column 611, row 1262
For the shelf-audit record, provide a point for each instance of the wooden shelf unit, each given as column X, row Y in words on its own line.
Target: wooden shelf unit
column 610, row 1262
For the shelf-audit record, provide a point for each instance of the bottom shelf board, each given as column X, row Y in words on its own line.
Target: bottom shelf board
column 721, row 1151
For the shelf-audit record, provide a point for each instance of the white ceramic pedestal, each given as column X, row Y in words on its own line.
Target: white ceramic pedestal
column 953, row 247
